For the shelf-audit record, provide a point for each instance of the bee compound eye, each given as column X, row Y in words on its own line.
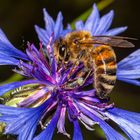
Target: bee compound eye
column 62, row 50
column 76, row 41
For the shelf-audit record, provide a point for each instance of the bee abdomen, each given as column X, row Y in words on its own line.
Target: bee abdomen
column 107, row 79
column 104, row 70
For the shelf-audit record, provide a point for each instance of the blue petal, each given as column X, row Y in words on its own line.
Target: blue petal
column 45, row 34
column 129, row 74
column 130, row 62
column 48, row 132
column 79, row 25
column 18, row 121
column 10, row 111
column 6, row 87
column 49, row 23
column 23, row 121
column 129, row 122
column 7, row 60
column 58, row 25
column 93, row 20
column 8, row 49
column 42, row 35
column 130, row 81
column 4, row 39
column 129, row 69
column 115, row 31
column 67, row 30
column 28, row 131
column 77, row 131
column 51, row 28
column 110, row 133
column 105, row 23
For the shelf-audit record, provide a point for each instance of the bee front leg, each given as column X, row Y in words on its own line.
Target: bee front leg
column 74, row 67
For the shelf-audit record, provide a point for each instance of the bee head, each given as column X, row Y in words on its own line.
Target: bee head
column 61, row 50
column 76, row 37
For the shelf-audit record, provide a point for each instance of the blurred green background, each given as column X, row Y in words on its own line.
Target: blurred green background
column 18, row 17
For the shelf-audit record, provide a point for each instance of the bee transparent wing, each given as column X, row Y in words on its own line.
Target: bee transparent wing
column 113, row 41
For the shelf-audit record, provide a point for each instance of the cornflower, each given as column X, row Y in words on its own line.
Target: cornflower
column 42, row 103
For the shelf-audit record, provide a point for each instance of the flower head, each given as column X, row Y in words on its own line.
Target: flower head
column 43, row 100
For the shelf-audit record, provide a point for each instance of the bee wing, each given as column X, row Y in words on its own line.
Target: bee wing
column 113, row 41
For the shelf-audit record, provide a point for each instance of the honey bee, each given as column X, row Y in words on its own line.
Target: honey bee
column 97, row 55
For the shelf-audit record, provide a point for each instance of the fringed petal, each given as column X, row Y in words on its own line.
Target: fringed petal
column 51, row 27
column 93, row 20
column 105, row 23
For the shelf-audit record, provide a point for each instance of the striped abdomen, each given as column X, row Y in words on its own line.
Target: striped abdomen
column 104, row 70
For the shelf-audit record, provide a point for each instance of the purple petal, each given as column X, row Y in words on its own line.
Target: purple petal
column 85, row 93
column 61, row 122
column 110, row 133
column 28, row 101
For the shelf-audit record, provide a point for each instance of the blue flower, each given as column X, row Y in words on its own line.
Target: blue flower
column 43, row 101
